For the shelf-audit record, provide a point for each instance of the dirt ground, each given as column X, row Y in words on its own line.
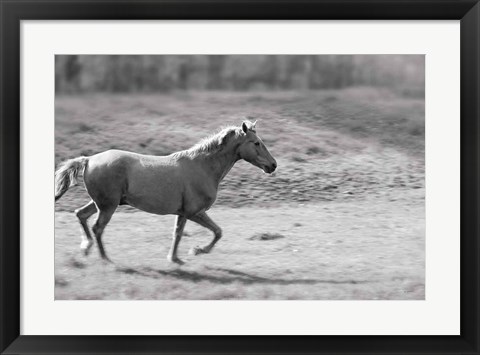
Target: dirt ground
column 342, row 218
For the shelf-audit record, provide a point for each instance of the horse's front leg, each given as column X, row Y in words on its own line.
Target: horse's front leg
column 205, row 221
column 177, row 235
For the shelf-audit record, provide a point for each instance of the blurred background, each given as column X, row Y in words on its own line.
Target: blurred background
column 149, row 73
column 341, row 218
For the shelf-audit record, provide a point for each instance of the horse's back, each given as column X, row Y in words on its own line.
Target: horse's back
column 110, row 164
column 120, row 161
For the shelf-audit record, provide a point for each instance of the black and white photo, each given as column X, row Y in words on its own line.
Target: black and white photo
column 240, row 177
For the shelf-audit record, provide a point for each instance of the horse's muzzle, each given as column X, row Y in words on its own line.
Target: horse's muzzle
column 270, row 169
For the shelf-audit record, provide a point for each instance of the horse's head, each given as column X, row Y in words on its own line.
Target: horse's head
column 254, row 151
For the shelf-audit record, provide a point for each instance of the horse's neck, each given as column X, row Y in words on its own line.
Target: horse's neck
column 220, row 163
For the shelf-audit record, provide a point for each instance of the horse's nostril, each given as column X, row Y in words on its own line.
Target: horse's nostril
column 274, row 166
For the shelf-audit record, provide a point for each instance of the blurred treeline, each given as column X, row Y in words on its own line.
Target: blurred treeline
column 152, row 73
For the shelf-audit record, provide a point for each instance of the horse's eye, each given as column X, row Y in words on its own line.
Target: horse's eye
column 257, row 143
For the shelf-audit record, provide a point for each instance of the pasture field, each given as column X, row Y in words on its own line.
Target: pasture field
column 342, row 218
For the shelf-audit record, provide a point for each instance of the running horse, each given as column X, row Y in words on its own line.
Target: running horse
column 184, row 183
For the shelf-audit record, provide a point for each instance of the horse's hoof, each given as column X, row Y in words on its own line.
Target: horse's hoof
column 175, row 260
column 85, row 246
column 197, row 251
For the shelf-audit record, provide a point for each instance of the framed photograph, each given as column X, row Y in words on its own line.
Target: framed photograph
column 239, row 177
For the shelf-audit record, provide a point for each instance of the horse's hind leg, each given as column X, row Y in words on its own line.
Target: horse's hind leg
column 104, row 216
column 177, row 235
column 83, row 214
column 205, row 221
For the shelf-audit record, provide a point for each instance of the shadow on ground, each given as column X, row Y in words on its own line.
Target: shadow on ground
column 225, row 276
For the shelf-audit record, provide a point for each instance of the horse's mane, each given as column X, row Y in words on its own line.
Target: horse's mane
column 212, row 143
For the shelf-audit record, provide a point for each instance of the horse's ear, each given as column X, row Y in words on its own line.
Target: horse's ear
column 254, row 124
column 244, row 127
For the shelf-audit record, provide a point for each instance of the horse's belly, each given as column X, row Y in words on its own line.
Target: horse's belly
column 158, row 203
column 154, row 194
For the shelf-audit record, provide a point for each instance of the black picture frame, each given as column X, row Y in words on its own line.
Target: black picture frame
column 14, row 11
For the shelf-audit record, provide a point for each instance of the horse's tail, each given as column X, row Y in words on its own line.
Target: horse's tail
column 66, row 175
